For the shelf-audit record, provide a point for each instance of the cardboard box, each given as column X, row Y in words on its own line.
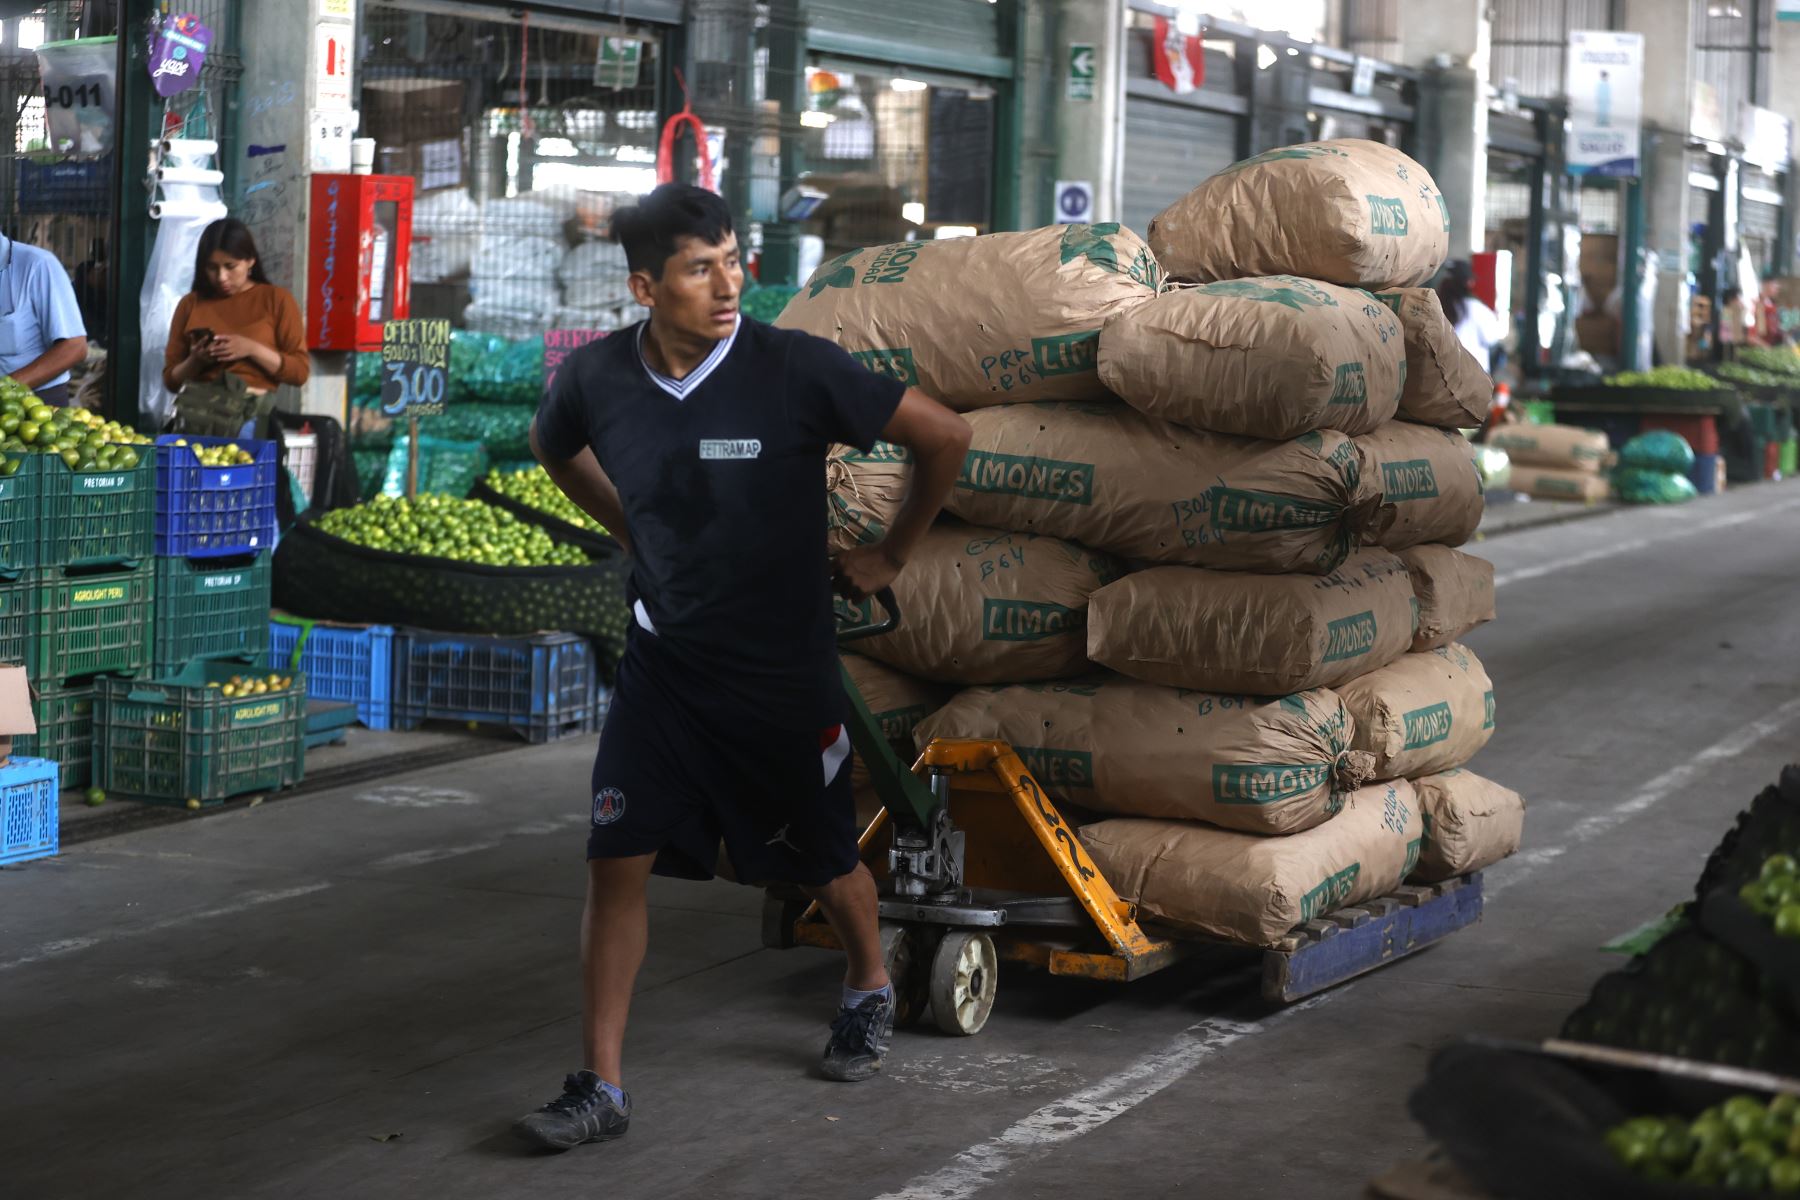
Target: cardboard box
column 398, row 111
column 432, row 165
column 16, row 719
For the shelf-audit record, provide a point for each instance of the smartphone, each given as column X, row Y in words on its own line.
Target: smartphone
column 197, row 336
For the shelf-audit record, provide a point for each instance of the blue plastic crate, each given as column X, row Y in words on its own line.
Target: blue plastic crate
column 205, row 512
column 543, row 686
column 28, row 813
column 354, row 665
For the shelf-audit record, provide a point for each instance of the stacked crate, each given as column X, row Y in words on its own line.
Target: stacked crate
column 176, row 733
column 77, row 599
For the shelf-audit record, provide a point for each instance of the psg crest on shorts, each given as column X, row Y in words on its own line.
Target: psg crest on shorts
column 609, row 805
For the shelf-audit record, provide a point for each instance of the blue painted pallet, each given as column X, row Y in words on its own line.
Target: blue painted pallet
column 1342, row 945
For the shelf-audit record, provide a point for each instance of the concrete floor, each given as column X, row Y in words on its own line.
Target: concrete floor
column 351, row 993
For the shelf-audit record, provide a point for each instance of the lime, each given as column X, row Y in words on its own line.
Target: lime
column 193, row 802
column 1745, row 1175
column 1780, row 866
column 1784, row 1176
column 96, row 796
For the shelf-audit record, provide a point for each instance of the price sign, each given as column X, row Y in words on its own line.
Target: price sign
column 559, row 344
column 415, row 367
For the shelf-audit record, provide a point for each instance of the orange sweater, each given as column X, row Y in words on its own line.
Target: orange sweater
column 261, row 312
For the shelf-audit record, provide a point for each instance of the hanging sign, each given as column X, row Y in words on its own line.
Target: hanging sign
column 559, row 344
column 78, row 78
column 617, row 65
column 1177, row 57
column 1787, row 10
column 1606, row 96
column 178, row 54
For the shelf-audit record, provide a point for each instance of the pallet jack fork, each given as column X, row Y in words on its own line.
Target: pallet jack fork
column 1009, row 879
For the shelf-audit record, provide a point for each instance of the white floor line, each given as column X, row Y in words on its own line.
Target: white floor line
column 1652, row 793
column 430, row 854
column 1633, row 544
column 251, row 900
column 1086, row 1110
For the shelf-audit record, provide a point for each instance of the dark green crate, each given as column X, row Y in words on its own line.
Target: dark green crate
column 19, row 525
column 65, row 736
column 18, row 618
column 211, row 608
column 91, row 518
column 179, row 740
column 92, row 622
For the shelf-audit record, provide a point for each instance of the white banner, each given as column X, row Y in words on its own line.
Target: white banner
column 1606, row 96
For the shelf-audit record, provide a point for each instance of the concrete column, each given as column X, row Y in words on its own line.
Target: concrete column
column 1453, row 38
column 1089, row 134
column 1669, row 36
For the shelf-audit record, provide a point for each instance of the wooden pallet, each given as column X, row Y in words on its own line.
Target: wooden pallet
column 1342, row 945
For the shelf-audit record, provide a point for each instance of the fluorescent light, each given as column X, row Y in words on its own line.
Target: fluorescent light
column 908, row 85
column 912, row 212
column 813, row 119
column 955, row 231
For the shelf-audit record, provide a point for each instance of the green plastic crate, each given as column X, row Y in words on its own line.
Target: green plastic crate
column 95, row 518
column 19, row 534
column 211, row 608
column 18, row 618
column 1538, row 412
column 65, row 736
column 91, row 623
column 1790, row 458
column 177, row 740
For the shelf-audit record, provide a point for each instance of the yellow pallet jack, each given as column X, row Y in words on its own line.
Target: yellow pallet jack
column 1008, row 879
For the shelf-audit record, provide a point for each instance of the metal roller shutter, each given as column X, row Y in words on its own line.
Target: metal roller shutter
column 1168, row 149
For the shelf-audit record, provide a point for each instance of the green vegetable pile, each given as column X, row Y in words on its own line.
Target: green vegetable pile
column 535, row 489
column 1749, row 376
column 1740, row 1145
column 1773, row 359
column 1776, row 894
column 1680, row 379
column 765, row 303
column 442, row 527
column 80, row 438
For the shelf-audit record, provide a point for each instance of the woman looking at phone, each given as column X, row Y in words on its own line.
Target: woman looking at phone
column 235, row 322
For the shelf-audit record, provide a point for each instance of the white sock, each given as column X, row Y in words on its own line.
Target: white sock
column 853, row 997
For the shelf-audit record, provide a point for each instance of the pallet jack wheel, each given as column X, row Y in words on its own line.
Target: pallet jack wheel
column 780, row 911
column 965, row 972
column 906, row 953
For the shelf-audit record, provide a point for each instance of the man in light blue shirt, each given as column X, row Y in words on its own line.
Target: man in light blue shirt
column 41, row 331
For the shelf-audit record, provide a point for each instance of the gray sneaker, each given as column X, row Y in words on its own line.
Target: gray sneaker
column 583, row 1113
column 859, row 1037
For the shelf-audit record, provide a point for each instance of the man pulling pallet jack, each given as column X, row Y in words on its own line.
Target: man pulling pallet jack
column 698, row 439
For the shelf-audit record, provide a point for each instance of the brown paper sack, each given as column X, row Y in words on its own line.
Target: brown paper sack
column 1119, row 746
column 1251, row 889
column 897, row 702
column 864, row 493
column 1425, row 713
column 1268, row 635
column 1455, row 592
column 1558, row 447
column 1445, row 386
column 1108, row 477
column 1272, row 358
column 1430, row 478
column 985, row 606
column 1548, row 483
column 1470, row 823
column 981, row 320
column 1353, row 212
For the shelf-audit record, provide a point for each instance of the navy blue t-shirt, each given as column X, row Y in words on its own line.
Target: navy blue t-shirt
column 722, row 478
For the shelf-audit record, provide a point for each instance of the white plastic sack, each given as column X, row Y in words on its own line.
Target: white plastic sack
column 507, row 255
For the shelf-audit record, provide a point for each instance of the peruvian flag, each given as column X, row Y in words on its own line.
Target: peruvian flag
column 1179, row 59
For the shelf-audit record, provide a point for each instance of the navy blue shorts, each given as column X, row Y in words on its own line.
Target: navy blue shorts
column 675, row 779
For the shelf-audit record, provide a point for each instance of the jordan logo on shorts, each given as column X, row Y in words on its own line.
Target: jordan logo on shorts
column 781, row 839
column 609, row 805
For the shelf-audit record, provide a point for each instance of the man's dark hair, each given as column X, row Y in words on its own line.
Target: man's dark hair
column 651, row 229
column 233, row 237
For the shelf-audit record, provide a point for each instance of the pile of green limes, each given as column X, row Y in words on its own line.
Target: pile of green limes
column 82, row 439
column 1740, row 1145
column 437, row 526
column 534, row 488
column 1775, row 893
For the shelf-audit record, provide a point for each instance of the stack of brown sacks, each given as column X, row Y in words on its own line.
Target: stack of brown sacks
column 1239, row 483
column 1556, row 462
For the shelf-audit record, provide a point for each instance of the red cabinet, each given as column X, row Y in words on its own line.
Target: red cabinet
column 359, row 273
